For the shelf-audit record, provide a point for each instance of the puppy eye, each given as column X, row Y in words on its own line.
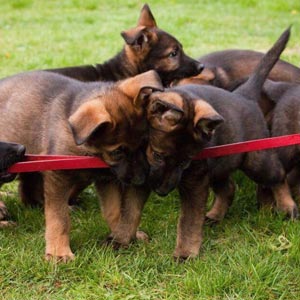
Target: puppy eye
column 158, row 157
column 173, row 53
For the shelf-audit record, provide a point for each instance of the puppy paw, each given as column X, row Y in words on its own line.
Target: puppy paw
column 212, row 218
column 59, row 258
column 142, row 236
column 291, row 211
column 4, row 224
column 3, row 211
column 59, row 254
column 181, row 256
column 116, row 244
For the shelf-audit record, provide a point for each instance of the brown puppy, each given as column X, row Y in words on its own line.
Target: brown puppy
column 185, row 119
column 10, row 153
column 227, row 68
column 147, row 47
column 53, row 114
column 222, row 68
column 286, row 120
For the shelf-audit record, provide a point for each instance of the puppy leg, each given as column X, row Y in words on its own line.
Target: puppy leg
column 284, row 200
column 31, row 189
column 57, row 193
column 133, row 200
column 193, row 195
column 294, row 182
column 110, row 202
column 122, row 210
column 224, row 193
column 265, row 168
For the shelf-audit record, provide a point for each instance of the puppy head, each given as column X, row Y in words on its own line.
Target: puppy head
column 148, row 47
column 10, row 153
column 180, row 127
column 113, row 126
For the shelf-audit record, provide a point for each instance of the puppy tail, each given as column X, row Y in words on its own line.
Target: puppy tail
column 252, row 88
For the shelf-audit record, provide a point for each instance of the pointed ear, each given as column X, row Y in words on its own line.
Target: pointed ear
column 135, row 37
column 146, row 17
column 164, row 115
column 141, row 86
column 206, row 120
column 88, row 118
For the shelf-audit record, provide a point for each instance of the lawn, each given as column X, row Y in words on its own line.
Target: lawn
column 252, row 254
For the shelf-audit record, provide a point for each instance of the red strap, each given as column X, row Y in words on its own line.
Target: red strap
column 248, row 146
column 34, row 163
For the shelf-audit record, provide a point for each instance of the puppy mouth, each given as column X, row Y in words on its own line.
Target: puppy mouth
column 9, row 161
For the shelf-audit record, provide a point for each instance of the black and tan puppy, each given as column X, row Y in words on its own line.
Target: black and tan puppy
column 185, row 119
column 285, row 121
column 222, row 68
column 10, row 153
column 53, row 114
column 228, row 68
column 147, row 47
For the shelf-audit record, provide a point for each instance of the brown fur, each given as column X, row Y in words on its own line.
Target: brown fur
column 285, row 121
column 228, row 68
column 210, row 116
column 146, row 47
column 52, row 114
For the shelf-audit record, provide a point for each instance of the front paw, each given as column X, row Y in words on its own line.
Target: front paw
column 142, row 236
column 3, row 211
column 4, row 224
column 62, row 255
column 115, row 243
column 181, row 255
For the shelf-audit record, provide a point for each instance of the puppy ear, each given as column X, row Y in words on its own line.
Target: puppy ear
column 136, row 37
column 140, row 87
column 87, row 119
column 206, row 120
column 146, row 17
column 164, row 115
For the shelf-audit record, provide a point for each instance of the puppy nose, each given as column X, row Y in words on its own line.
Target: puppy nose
column 21, row 150
column 200, row 67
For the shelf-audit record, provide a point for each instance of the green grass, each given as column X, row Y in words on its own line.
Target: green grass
column 251, row 255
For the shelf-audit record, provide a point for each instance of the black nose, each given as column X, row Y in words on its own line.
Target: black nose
column 200, row 67
column 21, row 150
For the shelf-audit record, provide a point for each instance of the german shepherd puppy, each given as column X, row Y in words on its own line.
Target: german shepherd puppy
column 222, row 68
column 229, row 68
column 183, row 120
column 147, row 47
column 285, row 121
column 53, row 114
column 10, row 153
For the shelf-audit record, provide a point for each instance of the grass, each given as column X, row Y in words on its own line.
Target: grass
column 252, row 254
